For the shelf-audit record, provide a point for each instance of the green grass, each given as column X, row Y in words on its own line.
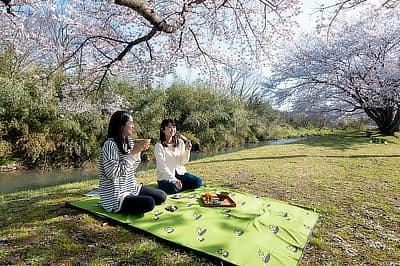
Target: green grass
column 354, row 184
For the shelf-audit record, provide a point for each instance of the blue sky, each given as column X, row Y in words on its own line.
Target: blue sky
column 307, row 21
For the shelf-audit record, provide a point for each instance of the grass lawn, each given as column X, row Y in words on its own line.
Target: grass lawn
column 353, row 183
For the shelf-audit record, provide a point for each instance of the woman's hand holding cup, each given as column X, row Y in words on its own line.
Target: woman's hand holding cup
column 188, row 145
column 141, row 145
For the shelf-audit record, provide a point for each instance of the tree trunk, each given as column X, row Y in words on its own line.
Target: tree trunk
column 387, row 119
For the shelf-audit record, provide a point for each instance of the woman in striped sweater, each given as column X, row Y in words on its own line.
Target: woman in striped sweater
column 119, row 158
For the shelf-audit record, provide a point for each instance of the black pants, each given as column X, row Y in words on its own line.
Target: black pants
column 144, row 202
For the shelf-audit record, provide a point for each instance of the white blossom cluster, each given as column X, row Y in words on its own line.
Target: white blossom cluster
column 358, row 66
column 74, row 99
column 86, row 38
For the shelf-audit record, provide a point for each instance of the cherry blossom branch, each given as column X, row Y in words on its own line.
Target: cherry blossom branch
column 7, row 3
column 149, row 14
column 145, row 38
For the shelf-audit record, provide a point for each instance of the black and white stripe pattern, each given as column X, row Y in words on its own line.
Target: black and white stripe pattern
column 116, row 175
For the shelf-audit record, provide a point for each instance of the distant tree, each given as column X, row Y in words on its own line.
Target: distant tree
column 329, row 13
column 356, row 69
column 245, row 84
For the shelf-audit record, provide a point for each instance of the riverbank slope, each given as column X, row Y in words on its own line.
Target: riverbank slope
column 355, row 185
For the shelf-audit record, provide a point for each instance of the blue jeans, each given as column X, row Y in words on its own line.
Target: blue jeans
column 189, row 181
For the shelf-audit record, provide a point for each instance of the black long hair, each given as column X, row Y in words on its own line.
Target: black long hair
column 117, row 121
column 163, row 141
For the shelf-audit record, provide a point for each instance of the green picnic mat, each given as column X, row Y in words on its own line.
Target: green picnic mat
column 255, row 232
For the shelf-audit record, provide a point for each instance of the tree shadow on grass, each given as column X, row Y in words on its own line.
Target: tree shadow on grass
column 59, row 233
column 340, row 141
column 251, row 159
column 299, row 156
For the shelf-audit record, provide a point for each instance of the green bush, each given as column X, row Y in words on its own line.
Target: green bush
column 35, row 132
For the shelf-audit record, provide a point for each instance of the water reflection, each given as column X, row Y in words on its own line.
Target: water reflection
column 24, row 180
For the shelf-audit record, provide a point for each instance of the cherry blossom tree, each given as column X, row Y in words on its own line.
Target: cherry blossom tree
column 331, row 10
column 91, row 41
column 356, row 69
column 97, row 39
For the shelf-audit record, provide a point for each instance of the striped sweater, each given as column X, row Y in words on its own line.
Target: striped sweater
column 116, row 175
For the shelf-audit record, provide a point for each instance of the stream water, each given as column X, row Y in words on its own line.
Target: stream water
column 24, row 180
